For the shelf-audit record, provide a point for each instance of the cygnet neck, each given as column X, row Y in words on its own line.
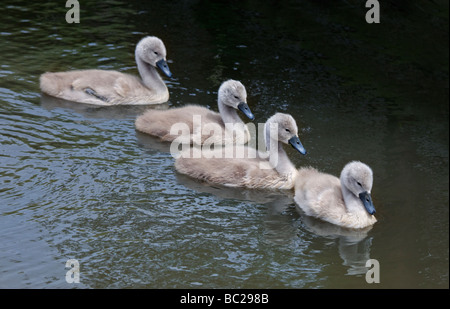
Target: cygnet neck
column 149, row 75
column 284, row 166
column 228, row 113
column 278, row 157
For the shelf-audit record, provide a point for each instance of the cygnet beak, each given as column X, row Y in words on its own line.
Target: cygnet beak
column 243, row 107
column 295, row 142
column 162, row 65
column 367, row 201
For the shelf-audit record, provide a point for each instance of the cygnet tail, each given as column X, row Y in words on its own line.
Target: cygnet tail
column 304, row 174
column 51, row 84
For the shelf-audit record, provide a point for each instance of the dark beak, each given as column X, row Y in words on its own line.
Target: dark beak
column 295, row 142
column 162, row 65
column 367, row 201
column 243, row 107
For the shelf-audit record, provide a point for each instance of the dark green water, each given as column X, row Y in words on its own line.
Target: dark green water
column 79, row 182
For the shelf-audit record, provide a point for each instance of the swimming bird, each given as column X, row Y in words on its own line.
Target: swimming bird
column 243, row 166
column 345, row 202
column 105, row 87
column 201, row 124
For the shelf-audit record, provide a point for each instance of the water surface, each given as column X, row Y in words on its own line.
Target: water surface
column 78, row 182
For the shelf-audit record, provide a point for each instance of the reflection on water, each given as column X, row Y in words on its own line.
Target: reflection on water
column 353, row 245
column 95, row 111
column 152, row 143
column 78, row 181
column 270, row 197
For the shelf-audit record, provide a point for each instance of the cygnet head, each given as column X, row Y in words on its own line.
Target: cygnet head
column 357, row 177
column 283, row 128
column 151, row 50
column 233, row 94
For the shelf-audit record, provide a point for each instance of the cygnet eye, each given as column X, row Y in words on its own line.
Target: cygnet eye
column 359, row 184
column 236, row 97
column 287, row 130
column 156, row 53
